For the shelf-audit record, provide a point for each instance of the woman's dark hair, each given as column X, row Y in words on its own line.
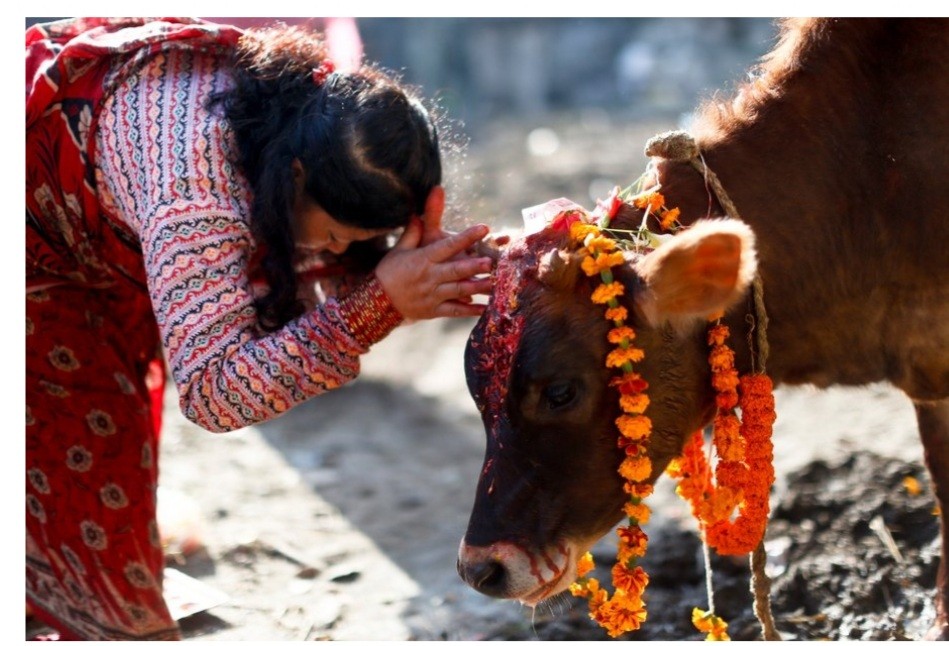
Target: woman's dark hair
column 368, row 147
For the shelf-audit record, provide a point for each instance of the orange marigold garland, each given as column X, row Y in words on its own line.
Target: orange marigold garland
column 624, row 611
column 744, row 472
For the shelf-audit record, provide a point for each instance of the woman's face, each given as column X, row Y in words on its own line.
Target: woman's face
column 315, row 230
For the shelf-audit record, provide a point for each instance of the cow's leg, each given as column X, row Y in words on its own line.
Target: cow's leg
column 933, row 420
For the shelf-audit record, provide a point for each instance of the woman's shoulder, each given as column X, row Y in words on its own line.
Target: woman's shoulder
column 163, row 107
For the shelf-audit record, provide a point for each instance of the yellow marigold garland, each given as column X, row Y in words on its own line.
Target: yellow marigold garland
column 624, row 611
column 707, row 622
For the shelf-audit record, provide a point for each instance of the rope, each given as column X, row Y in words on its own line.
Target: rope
column 761, row 587
column 679, row 146
column 709, row 588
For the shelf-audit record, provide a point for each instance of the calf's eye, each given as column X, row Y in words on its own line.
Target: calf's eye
column 560, row 394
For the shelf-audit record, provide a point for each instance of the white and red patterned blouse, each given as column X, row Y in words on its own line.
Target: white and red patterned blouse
column 163, row 169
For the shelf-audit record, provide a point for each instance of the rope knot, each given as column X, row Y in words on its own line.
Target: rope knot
column 675, row 145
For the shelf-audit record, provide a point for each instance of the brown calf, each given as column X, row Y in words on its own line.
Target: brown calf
column 836, row 158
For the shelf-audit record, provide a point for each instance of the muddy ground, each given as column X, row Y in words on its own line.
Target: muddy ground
column 342, row 519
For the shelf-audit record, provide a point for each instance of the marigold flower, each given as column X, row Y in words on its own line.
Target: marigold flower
column 638, row 489
column 732, row 474
column 617, row 357
column 721, row 357
column 632, row 544
column 580, row 230
column 621, row 614
column 632, row 536
column 669, row 219
column 584, row 564
column 675, row 468
column 725, row 380
column 593, row 265
column 653, row 201
column 706, row 622
column 718, row 334
column 721, row 504
column 637, row 512
column 605, row 292
column 634, row 427
column 634, row 403
column 911, row 485
column 619, row 334
column 726, row 400
column 629, row 383
column 727, row 439
column 635, row 468
column 616, row 314
column 597, row 243
column 598, row 595
column 632, row 580
column 758, row 384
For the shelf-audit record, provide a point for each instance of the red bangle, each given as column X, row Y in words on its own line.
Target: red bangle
column 368, row 312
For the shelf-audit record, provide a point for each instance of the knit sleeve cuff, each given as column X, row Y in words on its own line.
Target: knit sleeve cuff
column 368, row 312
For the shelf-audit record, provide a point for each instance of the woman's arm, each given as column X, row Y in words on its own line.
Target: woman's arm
column 190, row 209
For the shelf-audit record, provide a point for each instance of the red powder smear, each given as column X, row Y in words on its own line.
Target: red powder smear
column 504, row 320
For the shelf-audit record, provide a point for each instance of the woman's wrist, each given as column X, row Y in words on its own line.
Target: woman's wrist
column 368, row 313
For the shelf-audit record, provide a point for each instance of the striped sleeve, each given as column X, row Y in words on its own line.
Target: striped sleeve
column 164, row 170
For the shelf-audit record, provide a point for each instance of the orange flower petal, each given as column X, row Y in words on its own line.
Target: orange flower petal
column 619, row 334
column 634, row 427
column 616, row 314
column 585, row 564
column 604, row 293
column 636, row 468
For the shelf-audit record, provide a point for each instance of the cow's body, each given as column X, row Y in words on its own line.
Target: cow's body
column 836, row 158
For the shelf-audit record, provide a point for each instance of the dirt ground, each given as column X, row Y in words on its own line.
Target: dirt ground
column 341, row 520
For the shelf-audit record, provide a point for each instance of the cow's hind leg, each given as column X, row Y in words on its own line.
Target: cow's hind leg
column 933, row 420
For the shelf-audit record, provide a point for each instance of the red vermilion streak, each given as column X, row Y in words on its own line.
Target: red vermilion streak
column 535, row 571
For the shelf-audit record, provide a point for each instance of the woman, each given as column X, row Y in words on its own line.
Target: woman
column 186, row 184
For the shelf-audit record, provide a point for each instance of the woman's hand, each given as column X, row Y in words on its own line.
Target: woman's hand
column 437, row 279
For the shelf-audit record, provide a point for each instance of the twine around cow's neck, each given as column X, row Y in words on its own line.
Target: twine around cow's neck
column 680, row 146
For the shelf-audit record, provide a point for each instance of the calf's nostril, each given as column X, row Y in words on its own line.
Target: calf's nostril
column 487, row 577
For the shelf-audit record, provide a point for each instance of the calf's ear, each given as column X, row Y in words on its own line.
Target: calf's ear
column 559, row 269
column 697, row 272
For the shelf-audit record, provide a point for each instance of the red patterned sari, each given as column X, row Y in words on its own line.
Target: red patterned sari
column 94, row 377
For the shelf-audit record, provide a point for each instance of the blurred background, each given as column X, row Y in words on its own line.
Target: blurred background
column 569, row 102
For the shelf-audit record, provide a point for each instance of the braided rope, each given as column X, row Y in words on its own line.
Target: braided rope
column 680, row 146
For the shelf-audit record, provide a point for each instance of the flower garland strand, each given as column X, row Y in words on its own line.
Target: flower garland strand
column 744, row 472
column 624, row 611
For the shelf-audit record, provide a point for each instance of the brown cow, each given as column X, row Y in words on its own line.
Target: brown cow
column 836, row 158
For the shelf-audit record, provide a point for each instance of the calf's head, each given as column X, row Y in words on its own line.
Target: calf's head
column 535, row 365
